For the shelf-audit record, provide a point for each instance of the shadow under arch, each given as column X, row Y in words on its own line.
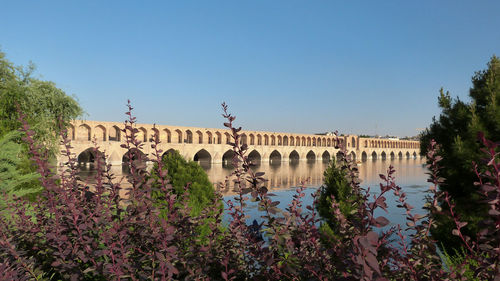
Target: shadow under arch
column 203, row 158
column 90, row 156
column 326, row 156
column 275, row 158
column 311, row 157
column 294, row 157
column 254, row 157
column 364, row 156
column 227, row 158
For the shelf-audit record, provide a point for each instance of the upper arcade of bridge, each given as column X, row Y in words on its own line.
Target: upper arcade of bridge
column 85, row 131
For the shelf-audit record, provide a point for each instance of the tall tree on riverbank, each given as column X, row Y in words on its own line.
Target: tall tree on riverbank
column 456, row 132
column 46, row 108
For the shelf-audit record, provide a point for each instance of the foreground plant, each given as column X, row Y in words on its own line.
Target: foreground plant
column 75, row 233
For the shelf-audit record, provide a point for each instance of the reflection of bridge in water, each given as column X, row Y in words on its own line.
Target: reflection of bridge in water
column 287, row 175
column 209, row 146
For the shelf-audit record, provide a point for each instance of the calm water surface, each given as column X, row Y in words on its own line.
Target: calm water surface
column 285, row 177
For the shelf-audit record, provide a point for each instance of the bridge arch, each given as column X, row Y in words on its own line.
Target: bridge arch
column 203, row 157
column 374, row 155
column 100, row 133
column 414, row 155
column 325, row 156
column 285, row 140
column 155, row 135
column 252, row 139
column 199, row 137
column 364, row 156
column 83, row 133
column 189, row 137
column 294, row 156
column 311, row 157
column 114, row 134
column 407, row 155
column 218, row 138
column 275, row 157
column 254, row 156
column 135, row 155
column 142, row 134
column 338, row 155
column 393, row 156
column 383, row 156
column 227, row 157
column 170, row 151
column 179, row 136
column 90, row 156
column 353, row 156
column 400, row 155
column 266, row 139
column 71, row 132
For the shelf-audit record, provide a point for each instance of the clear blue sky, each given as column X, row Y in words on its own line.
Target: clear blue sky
column 297, row 66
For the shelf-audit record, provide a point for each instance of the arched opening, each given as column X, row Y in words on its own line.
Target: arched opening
column 134, row 154
column 275, row 157
column 353, row 142
column 70, row 132
column 252, row 139
column 308, row 141
column 374, row 155
column 142, row 134
column 155, row 135
column 219, row 137
column 114, row 134
column 266, row 140
column 326, row 156
column 364, row 156
column 285, row 140
column 414, row 155
column 179, row 136
column 280, row 142
column 170, row 151
column 203, row 158
column 210, row 139
column 393, row 156
column 353, row 156
column 273, row 140
column 90, row 156
column 200, row 137
column 189, row 137
column 259, row 140
column 100, row 133
column 383, row 156
column 254, row 157
column 304, row 141
column 294, row 157
column 311, row 157
column 400, row 155
column 338, row 156
column 228, row 138
column 227, row 158
column 407, row 155
column 83, row 133
column 292, row 141
column 243, row 139
column 168, row 136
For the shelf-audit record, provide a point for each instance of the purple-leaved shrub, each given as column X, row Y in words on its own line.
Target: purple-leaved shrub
column 73, row 233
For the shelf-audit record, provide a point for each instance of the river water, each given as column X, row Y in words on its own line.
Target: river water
column 284, row 177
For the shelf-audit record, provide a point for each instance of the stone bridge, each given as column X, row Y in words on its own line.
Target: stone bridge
column 211, row 145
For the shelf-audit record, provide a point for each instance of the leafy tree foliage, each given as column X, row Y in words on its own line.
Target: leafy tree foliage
column 182, row 173
column 456, row 130
column 46, row 108
column 338, row 188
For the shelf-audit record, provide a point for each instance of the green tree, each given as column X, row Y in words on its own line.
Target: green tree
column 46, row 108
column 456, row 132
column 181, row 173
column 337, row 183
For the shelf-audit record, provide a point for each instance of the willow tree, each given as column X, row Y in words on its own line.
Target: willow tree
column 46, row 108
